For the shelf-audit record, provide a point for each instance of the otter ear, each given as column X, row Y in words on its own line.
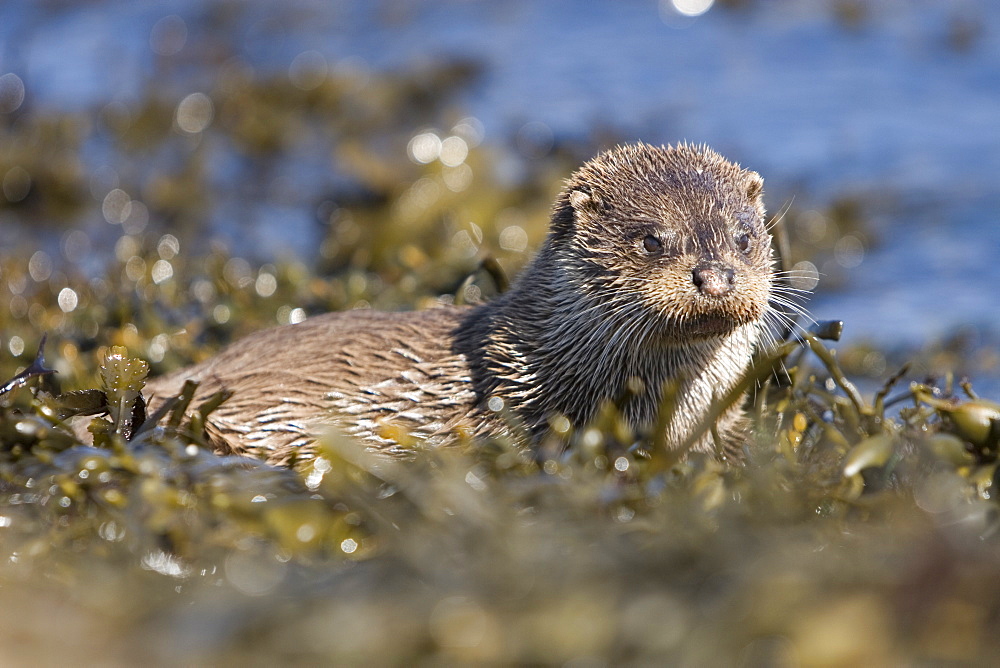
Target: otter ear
column 586, row 199
column 755, row 185
column 580, row 202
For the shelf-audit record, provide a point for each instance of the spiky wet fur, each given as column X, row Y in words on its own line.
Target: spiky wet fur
column 593, row 313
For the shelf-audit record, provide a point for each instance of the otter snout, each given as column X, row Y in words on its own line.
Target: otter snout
column 713, row 279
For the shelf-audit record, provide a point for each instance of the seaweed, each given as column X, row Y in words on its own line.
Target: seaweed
column 859, row 527
column 602, row 548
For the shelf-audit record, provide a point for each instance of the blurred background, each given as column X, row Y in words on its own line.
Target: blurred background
column 175, row 174
column 390, row 146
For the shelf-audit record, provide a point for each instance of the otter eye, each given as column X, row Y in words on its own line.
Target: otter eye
column 743, row 243
column 652, row 244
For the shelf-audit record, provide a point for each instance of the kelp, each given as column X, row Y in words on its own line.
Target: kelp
column 485, row 552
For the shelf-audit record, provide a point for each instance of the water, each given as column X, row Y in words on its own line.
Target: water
column 900, row 105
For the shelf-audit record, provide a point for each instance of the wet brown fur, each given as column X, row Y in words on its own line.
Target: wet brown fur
column 595, row 310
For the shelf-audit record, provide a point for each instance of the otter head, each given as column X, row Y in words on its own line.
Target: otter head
column 670, row 238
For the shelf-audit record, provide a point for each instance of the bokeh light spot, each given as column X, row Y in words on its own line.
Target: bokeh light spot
column 203, row 290
column 514, row 238
column 40, row 266
column 162, row 271
column 168, row 36
column 424, row 147
column 804, row 275
column 116, row 207
column 238, row 272
column 306, row 532
column 16, row 346
column 75, row 245
column 126, row 247
column 849, row 251
column 692, row 7
column 463, row 243
column 221, row 314
column 308, row 70
column 11, row 93
column 812, row 227
column 454, row 151
column 194, row 113
column 16, row 184
column 470, row 129
column 266, row 284
column 158, row 347
column 457, row 179
column 137, row 218
column 67, row 300
column 168, row 247
column 135, row 268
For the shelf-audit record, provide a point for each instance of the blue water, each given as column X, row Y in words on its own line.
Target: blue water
column 888, row 108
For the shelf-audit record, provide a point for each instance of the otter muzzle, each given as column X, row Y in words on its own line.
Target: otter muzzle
column 714, row 280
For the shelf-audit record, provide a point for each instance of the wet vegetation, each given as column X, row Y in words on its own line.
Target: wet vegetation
column 859, row 530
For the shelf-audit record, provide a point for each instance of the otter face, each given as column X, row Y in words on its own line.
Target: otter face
column 673, row 236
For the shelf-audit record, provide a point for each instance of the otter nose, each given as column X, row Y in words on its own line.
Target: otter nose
column 714, row 280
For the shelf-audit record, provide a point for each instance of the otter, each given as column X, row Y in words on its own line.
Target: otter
column 657, row 268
